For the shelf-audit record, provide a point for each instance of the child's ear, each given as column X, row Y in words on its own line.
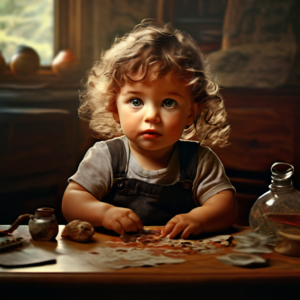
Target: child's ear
column 194, row 113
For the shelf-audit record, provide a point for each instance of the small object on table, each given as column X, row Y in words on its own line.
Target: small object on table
column 119, row 258
column 26, row 257
column 78, row 231
column 153, row 241
column 252, row 242
column 279, row 208
column 7, row 244
column 288, row 242
column 241, row 259
column 15, row 225
column 42, row 226
column 144, row 235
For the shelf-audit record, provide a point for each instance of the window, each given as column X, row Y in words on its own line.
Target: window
column 84, row 27
column 48, row 26
column 30, row 23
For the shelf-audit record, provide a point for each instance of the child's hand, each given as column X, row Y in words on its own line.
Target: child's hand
column 185, row 223
column 121, row 219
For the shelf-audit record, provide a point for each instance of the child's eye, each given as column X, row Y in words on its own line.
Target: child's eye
column 169, row 103
column 135, row 102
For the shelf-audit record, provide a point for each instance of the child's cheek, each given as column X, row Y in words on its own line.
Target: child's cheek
column 176, row 124
column 129, row 124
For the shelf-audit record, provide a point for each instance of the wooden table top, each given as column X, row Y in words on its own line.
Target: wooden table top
column 200, row 271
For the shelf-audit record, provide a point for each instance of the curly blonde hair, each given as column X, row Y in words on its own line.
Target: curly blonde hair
column 151, row 43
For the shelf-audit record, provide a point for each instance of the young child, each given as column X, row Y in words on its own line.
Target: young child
column 149, row 91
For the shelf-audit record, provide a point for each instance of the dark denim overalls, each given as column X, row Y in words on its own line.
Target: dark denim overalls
column 155, row 204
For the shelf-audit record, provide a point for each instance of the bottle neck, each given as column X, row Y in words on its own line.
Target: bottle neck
column 281, row 186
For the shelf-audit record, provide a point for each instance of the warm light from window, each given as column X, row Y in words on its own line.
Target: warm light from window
column 30, row 23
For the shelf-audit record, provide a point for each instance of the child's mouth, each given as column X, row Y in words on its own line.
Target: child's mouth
column 150, row 135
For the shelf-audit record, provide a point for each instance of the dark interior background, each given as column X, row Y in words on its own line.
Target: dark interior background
column 42, row 139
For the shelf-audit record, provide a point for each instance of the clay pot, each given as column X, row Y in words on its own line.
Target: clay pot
column 25, row 61
column 43, row 225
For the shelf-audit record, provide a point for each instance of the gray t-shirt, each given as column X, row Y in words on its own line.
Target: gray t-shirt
column 95, row 172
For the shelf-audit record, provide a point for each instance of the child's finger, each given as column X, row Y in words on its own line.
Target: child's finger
column 128, row 224
column 187, row 232
column 168, row 228
column 135, row 218
column 117, row 227
column 179, row 227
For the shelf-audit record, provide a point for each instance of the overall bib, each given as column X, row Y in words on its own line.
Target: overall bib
column 155, row 204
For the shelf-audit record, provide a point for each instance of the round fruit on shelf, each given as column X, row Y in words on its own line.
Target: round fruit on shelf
column 25, row 61
column 65, row 64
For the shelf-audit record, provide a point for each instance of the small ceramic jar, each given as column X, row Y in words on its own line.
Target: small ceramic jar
column 43, row 225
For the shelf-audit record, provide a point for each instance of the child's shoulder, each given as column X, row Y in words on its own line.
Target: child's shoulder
column 100, row 145
column 98, row 152
column 110, row 148
column 187, row 145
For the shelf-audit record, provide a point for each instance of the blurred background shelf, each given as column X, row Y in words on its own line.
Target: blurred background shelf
column 42, row 142
column 265, row 129
column 41, row 147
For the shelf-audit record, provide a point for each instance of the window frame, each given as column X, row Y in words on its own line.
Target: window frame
column 73, row 29
column 76, row 27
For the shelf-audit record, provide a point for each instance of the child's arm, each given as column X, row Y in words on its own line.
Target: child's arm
column 79, row 204
column 218, row 213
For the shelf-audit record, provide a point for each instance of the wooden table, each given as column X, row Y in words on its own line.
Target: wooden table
column 202, row 275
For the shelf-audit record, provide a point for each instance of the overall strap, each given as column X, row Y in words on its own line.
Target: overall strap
column 118, row 157
column 188, row 158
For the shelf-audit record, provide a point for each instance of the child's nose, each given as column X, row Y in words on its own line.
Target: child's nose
column 152, row 114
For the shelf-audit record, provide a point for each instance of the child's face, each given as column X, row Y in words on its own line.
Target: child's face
column 154, row 113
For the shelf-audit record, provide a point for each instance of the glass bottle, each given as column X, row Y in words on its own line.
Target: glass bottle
column 279, row 208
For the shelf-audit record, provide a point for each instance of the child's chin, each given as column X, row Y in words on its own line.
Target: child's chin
column 152, row 146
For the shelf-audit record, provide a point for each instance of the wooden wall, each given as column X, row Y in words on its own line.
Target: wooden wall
column 265, row 129
column 265, row 123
